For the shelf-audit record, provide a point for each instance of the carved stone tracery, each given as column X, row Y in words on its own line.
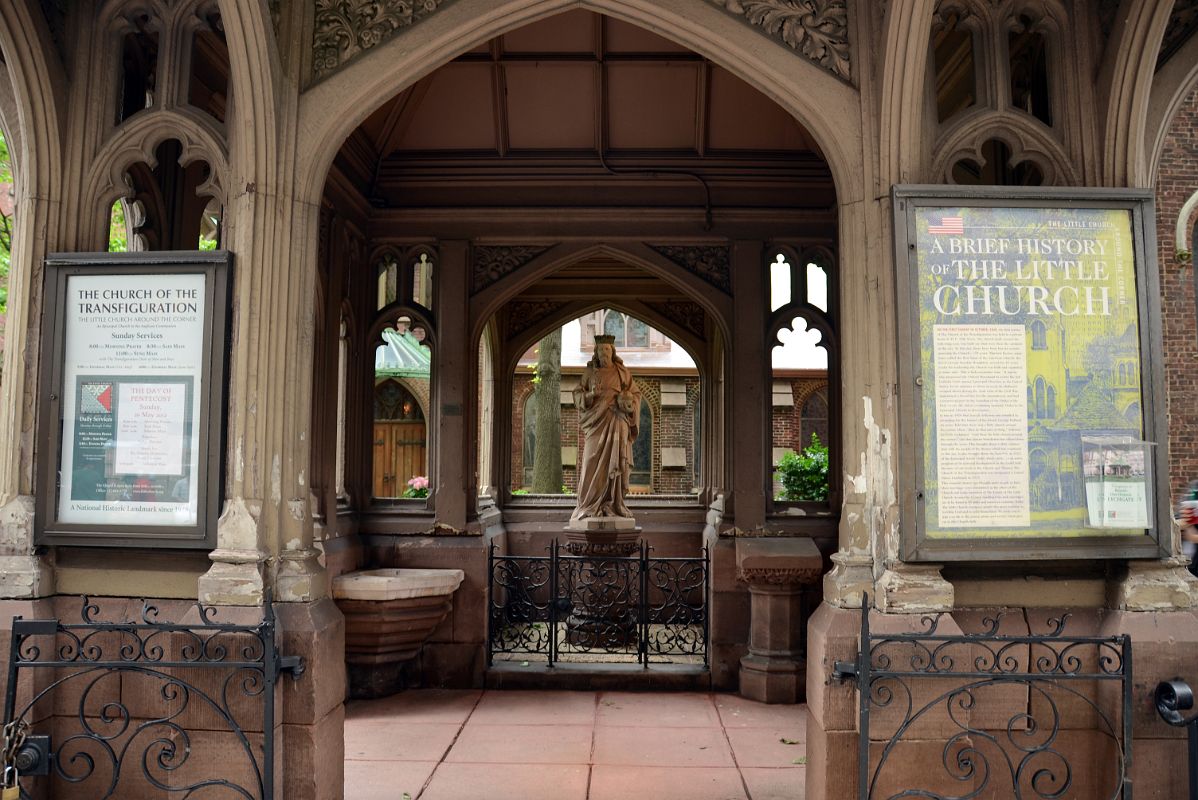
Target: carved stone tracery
column 817, row 29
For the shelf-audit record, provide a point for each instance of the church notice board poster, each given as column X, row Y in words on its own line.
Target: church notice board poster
column 134, row 377
column 1029, row 340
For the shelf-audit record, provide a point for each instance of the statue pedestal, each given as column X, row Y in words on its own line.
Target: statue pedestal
column 603, row 573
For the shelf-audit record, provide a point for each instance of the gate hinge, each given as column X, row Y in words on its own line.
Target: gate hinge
column 845, row 670
column 292, row 664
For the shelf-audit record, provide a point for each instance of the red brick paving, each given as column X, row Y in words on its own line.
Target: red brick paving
column 447, row 745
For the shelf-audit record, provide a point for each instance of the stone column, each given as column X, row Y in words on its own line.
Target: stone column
column 777, row 571
column 749, row 371
column 34, row 80
column 453, row 395
column 265, row 532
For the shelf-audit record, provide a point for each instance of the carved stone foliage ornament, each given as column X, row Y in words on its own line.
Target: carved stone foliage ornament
column 493, row 262
column 818, row 29
column 524, row 314
column 346, row 28
column 710, row 262
column 1183, row 23
column 688, row 314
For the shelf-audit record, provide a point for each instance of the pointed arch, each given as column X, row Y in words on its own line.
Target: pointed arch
column 38, row 88
column 1127, row 79
column 331, row 109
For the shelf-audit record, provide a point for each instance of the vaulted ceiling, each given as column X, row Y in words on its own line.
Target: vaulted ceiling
column 588, row 101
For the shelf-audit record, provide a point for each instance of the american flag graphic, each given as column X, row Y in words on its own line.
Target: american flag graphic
column 949, row 226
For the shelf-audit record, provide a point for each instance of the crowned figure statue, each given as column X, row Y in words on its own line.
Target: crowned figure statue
column 608, row 404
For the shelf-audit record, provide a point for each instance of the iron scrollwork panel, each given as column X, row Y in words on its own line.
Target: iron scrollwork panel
column 1033, row 716
column 569, row 606
column 117, row 708
column 519, row 609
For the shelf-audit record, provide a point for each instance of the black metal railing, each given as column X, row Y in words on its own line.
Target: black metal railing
column 1172, row 698
column 1038, row 716
column 103, row 710
column 568, row 607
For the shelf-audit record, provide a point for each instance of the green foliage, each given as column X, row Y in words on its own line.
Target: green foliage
column 5, row 226
column 117, row 234
column 804, row 476
column 518, row 492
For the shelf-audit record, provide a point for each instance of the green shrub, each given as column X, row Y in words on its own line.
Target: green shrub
column 804, row 476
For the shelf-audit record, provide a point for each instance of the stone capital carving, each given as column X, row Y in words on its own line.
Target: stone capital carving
column 817, row 29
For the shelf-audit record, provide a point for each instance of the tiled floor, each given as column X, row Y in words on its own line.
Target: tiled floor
column 442, row 745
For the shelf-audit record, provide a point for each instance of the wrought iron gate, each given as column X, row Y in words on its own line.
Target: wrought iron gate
column 568, row 607
column 1037, row 716
column 97, row 710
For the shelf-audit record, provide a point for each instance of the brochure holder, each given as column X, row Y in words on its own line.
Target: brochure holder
column 1117, row 472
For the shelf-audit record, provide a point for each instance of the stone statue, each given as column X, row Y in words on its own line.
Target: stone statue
column 609, row 405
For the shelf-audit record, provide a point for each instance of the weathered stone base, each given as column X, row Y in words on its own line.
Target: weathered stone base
column 380, row 635
column 1164, row 646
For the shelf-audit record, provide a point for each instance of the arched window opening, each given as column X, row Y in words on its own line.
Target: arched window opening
column 665, row 454
column 789, row 285
column 405, row 279
column 641, row 479
column 529, row 437
column 1052, row 402
column 139, row 68
column 615, row 324
column 402, row 387
column 123, row 221
column 486, row 415
column 1039, row 336
column 342, row 381
column 422, row 281
column 1027, row 49
column 210, row 226
column 208, row 82
column 1041, row 400
column 814, row 416
column 802, row 430
column 780, row 294
column 388, row 281
column 996, row 169
column 956, row 76
column 164, row 210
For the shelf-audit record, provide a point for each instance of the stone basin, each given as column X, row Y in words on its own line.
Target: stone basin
column 389, row 615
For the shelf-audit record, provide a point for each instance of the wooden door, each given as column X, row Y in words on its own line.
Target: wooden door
column 399, row 454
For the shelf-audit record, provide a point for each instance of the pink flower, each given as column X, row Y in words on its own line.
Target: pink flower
column 419, row 482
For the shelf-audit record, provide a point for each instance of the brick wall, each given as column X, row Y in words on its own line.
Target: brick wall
column 1177, row 180
column 672, row 427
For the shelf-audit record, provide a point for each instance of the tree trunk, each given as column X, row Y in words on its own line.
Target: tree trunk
column 547, row 462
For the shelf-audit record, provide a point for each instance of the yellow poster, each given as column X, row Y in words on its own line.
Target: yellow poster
column 1029, row 335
